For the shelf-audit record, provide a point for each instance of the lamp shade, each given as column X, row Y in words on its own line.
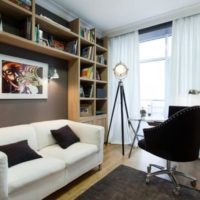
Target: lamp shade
column 55, row 74
column 120, row 70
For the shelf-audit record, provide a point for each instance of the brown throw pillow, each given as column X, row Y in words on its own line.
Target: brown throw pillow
column 65, row 136
column 19, row 152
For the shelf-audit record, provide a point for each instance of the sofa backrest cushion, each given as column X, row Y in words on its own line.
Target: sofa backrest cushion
column 18, row 133
column 43, row 131
column 65, row 136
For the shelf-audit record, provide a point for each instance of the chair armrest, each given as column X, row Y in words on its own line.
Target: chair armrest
column 3, row 176
column 88, row 133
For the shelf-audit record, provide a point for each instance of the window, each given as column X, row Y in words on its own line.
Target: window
column 154, row 57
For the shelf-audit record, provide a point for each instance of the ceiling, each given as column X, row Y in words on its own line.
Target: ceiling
column 107, row 15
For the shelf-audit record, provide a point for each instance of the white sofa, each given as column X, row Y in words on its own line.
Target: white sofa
column 36, row 179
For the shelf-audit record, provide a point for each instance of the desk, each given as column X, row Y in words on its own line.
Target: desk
column 149, row 121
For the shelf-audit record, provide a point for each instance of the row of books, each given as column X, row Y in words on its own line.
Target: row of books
column 27, row 4
column 88, row 34
column 88, row 52
column 87, row 72
column 87, row 91
column 100, row 59
column 70, row 46
column 23, row 30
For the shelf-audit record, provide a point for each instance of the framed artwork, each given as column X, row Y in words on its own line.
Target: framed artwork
column 22, row 78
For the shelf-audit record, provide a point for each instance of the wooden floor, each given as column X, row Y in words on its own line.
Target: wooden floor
column 113, row 158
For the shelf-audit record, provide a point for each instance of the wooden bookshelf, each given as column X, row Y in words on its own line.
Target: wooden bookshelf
column 95, row 108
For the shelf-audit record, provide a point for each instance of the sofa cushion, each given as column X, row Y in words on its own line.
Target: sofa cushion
column 18, row 133
column 28, row 172
column 19, row 152
column 65, row 136
column 42, row 129
column 72, row 154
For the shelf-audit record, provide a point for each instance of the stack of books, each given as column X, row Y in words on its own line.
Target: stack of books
column 88, row 52
column 87, row 72
column 71, row 47
column 88, row 34
column 86, row 91
column 100, row 59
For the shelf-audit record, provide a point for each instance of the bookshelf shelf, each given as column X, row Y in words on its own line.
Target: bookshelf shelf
column 87, row 99
column 27, row 44
column 100, row 65
column 101, row 82
column 13, row 9
column 86, row 80
column 101, row 99
column 100, row 49
column 86, row 42
column 55, row 29
column 86, row 61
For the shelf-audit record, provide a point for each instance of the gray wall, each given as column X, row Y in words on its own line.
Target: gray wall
column 13, row 112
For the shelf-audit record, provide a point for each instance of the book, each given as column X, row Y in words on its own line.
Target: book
column 71, row 47
column 28, row 25
column 82, row 94
column 98, row 75
column 25, row 28
column 100, row 59
column 1, row 23
column 87, row 72
column 88, row 90
column 56, row 43
column 37, row 28
column 91, row 91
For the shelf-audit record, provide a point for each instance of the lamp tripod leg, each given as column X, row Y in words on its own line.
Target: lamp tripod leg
column 129, row 123
column 122, row 116
column 112, row 112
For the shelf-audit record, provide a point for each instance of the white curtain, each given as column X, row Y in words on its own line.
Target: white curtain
column 185, row 60
column 123, row 48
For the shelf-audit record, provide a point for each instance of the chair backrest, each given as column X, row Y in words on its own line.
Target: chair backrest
column 174, row 109
column 178, row 138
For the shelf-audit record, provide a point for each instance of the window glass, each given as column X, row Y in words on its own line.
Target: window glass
column 169, row 43
column 152, row 49
column 152, row 80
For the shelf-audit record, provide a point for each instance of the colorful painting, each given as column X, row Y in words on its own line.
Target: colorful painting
column 22, row 79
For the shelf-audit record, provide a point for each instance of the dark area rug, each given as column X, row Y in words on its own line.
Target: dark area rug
column 125, row 183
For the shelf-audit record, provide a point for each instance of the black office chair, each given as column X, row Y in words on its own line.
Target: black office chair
column 177, row 139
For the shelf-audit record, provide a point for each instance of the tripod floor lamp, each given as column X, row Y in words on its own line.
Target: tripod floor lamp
column 120, row 72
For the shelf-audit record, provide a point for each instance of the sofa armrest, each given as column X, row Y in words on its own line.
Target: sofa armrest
column 3, row 176
column 88, row 133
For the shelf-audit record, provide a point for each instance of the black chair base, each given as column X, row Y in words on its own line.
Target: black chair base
column 171, row 172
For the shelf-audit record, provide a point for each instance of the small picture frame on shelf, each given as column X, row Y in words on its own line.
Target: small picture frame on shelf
column 85, row 110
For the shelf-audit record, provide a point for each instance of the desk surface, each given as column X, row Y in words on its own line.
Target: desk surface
column 150, row 120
